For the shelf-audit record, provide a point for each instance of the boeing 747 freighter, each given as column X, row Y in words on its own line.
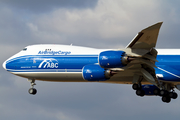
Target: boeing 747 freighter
column 150, row 71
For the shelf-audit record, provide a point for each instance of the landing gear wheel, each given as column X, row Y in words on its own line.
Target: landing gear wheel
column 166, row 99
column 163, row 93
column 140, row 93
column 32, row 91
column 156, row 91
column 136, row 86
column 173, row 95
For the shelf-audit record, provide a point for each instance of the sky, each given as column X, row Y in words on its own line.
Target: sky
column 90, row 23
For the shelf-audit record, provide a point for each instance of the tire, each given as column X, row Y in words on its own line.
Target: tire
column 156, row 91
column 32, row 91
column 140, row 93
column 163, row 93
column 166, row 99
column 171, row 94
column 175, row 95
column 135, row 86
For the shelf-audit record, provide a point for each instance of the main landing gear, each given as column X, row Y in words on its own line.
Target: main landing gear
column 138, row 89
column 166, row 95
column 32, row 90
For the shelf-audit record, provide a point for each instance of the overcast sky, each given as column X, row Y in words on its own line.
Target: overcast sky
column 91, row 23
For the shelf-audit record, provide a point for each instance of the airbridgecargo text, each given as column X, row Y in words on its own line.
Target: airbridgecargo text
column 54, row 52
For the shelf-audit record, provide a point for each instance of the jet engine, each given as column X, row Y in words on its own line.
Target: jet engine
column 111, row 59
column 95, row 73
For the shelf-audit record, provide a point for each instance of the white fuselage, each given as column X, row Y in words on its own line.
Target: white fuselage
column 63, row 63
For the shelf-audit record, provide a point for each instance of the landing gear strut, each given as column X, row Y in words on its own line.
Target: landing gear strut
column 32, row 90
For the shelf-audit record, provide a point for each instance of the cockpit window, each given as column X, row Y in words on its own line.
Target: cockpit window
column 24, row 49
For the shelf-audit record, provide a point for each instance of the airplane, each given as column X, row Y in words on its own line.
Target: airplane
column 152, row 72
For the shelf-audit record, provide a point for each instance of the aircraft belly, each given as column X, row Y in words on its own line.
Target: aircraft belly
column 124, row 78
column 75, row 77
column 53, row 76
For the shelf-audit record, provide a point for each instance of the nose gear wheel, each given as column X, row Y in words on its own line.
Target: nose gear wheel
column 32, row 90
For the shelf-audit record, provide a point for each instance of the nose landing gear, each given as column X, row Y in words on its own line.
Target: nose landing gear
column 32, row 90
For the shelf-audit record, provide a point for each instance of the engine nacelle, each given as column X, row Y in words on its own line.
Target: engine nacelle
column 111, row 59
column 149, row 89
column 95, row 73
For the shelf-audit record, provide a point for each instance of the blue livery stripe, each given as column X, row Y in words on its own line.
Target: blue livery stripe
column 50, row 63
column 47, row 70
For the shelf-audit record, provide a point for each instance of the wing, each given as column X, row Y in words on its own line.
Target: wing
column 147, row 38
column 141, row 56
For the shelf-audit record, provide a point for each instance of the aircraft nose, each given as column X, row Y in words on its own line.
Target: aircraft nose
column 4, row 65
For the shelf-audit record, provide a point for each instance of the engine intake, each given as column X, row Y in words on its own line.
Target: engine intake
column 112, row 59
